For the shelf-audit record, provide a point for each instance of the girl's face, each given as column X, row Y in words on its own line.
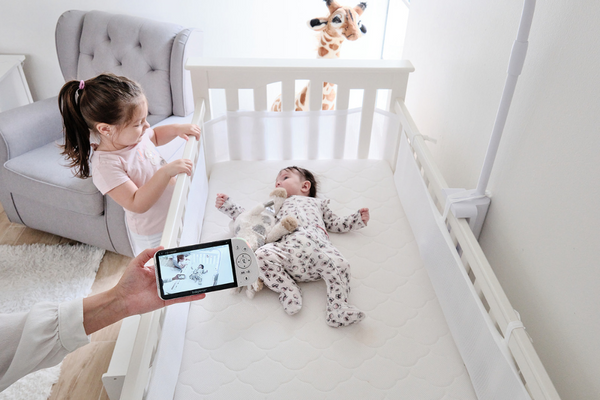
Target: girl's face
column 131, row 133
column 117, row 138
column 293, row 182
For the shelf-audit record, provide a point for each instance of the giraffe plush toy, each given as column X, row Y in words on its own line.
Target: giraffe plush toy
column 342, row 23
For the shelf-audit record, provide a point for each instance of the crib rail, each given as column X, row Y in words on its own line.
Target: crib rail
column 174, row 225
column 532, row 372
column 368, row 76
column 149, row 326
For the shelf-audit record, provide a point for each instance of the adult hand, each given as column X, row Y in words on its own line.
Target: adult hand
column 137, row 287
column 135, row 293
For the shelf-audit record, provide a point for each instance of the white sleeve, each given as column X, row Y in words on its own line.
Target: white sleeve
column 38, row 339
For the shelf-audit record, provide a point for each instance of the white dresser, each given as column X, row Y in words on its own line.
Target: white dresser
column 14, row 90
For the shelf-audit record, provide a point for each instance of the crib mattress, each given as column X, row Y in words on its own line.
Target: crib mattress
column 236, row 347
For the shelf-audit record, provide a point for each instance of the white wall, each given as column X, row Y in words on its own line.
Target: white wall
column 232, row 28
column 543, row 229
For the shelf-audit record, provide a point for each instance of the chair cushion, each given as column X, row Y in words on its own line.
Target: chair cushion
column 43, row 173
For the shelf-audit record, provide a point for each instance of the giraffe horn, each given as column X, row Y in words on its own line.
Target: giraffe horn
column 332, row 5
column 360, row 8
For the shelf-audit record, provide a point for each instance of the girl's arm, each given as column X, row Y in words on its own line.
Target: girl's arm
column 139, row 200
column 164, row 134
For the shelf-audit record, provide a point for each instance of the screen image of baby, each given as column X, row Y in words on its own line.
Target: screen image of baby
column 196, row 269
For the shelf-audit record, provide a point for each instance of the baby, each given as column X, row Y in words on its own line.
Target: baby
column 306, row 254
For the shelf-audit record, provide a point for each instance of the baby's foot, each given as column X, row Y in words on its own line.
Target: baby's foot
column 291, row 300
column 343, row 316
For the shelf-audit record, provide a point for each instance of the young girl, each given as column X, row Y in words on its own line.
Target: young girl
column 105, row 125
column 306, row 254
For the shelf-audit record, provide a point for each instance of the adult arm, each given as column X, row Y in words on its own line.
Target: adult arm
column 38, row 339
column 42, row 337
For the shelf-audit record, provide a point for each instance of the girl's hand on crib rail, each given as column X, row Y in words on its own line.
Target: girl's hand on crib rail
column 182, row 165
column 364, row 215
column 186, row 130
column 221, row 199
column 165, row 133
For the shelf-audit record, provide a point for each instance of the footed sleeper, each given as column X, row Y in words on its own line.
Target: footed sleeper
column 307, row 255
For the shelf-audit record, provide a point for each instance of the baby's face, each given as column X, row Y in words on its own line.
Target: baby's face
column 293, row 182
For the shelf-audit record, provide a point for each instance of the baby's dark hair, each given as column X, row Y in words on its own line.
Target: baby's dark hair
column 307, row 175
column 108, row 99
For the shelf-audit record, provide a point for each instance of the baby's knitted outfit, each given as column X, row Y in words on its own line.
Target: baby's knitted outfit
column 307, row 255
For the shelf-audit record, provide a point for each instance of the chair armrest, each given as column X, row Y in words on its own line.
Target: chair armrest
column 25, row 128
column 187, row 43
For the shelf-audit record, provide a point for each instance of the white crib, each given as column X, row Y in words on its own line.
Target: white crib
column 493, row 344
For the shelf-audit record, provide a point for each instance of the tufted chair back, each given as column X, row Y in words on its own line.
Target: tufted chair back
column 151, row 53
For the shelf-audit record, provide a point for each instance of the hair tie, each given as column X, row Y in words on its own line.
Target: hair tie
column 81, row 84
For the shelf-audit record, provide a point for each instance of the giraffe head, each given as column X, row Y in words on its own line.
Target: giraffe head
column 342, row 23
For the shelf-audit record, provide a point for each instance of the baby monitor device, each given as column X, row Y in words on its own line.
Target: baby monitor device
column 204, row 267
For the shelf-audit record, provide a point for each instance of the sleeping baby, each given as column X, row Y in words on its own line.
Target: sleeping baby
column 306, row 254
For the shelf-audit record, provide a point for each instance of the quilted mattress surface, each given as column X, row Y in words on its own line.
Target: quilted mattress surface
column 241, row 348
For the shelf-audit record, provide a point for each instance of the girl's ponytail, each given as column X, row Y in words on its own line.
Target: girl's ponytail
column 107, row 98
column 77, row 132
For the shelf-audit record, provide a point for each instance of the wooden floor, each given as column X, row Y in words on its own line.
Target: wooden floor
column 81, row 373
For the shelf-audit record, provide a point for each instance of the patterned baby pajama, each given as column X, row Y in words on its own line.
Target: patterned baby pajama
column 307, row 255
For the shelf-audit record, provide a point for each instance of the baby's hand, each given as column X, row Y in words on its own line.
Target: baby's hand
column 221, row 199
column 183, row 165
column 186, row 130
column 364, row 215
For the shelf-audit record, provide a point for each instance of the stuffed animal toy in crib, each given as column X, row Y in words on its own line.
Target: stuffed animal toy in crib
column 342, row 23
column 258, row 226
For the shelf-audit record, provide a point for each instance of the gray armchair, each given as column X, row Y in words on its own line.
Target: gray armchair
column 36, row 187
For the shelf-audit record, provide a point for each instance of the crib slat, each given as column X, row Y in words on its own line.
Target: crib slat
column 316, row 95
column 288, row 88
column 260, row 98
column 418, row 143
column 286, row 139
column 341, row 103
column 366, row 122
column 258, row 146
column 232, row 99
column 233, row 104
column 342, row 97
column 201, row 87
column 313, row 138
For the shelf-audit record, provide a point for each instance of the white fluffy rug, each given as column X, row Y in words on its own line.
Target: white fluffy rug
column 35, row 273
